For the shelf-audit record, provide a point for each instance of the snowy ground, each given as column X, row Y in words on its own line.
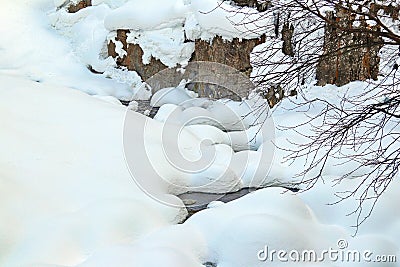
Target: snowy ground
column 70, row 196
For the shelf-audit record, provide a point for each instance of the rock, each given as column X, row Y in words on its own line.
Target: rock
column 188, row 202
column 274, row 95
column 348, row 56
column 248, row 3
column 287, row 36
column 235, row 53
column 260, row 6
column 80, row 5
column 133, row 59
column 197, row 201
column 205, row 79
column 391, row 10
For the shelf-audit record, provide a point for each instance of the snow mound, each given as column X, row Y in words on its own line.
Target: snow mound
column 147, row 15
column 200, row 18
column 64, row 182
column 244, row 232
column 164, row 30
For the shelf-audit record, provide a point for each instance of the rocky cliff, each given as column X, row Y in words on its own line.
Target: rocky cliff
column 73, row 8
column 348, row 55
column 235, row 53
column 132, row 59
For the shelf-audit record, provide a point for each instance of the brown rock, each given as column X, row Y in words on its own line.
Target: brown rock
column 348, row 56
column 82, row 4
column 248, row 3
column 133, row 59
column 235, row 53
column 287, row 36
column 254, row 3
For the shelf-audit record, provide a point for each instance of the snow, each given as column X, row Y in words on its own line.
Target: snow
column 189, row 161
column 164, row 30
column 232, row 235
column 167, row 44
column 221, row 18
column 50, row 59
column 84, row 181
column 226, row 21
column 64, row 170
column 135, row 15
column 109, row 99
column 98, row 215
column 133, row 105
column 171, row 95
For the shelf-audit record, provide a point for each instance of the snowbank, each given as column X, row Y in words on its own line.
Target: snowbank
column 239, row 233
column 164, row 30
column 31, row 48
column 64, row 211
column 67, row 197
column 147, row 15
column 200, row 18
column 65, row 188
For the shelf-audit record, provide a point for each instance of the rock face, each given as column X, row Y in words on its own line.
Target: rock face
column 287, row 38
column 133, row 58
column 80, row 5
column 260, row 6
column 235, row 53
column 348, row 56
column 249, row 3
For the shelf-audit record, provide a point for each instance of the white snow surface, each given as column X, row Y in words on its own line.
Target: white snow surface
column 165, row 30
column 210, row 17
column 67, row 196
column 65, row 188
column 30, row 47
